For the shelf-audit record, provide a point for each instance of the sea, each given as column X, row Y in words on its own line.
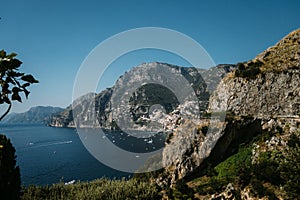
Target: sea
column 48, row 155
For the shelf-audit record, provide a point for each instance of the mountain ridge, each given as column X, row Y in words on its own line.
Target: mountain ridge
column 35, row 115
column 201, row 81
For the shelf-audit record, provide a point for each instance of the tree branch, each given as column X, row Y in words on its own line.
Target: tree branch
column 7, row 111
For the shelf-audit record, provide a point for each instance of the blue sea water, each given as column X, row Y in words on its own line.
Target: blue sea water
column 48, row 155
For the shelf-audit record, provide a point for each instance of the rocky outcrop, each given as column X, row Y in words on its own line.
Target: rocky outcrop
column 191, row 144
column 228, row 194
column 271, row 94
column 258, row 97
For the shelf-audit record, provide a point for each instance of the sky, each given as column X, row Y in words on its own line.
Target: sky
column 53, row 37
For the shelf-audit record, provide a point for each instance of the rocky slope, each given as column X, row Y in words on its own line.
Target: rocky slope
column 273, row 92
column 261, row 95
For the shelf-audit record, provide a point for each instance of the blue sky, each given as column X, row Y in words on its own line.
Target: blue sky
column 53, row 37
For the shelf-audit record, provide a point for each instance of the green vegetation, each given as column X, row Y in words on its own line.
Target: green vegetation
column 250, row 70
column 283, row 56
column 294, row 141
column 220, row 114
column 230, row 168
column 10, row 182
column 181, row 191
column 12, row 81
column 278, row 58
column 290, row 170
column 229, row 171
column 274, row 174
column 98, row 189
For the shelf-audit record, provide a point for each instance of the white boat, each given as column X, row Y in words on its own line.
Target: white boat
column 70, row 182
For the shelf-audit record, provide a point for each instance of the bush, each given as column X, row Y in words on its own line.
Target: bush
column 249, row 71
column 182, row 191
column 10, row 181
column 267, row 168
column 293, row 140
column 290, row 172
column 204, row 130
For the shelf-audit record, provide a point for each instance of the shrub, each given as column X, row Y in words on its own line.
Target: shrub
column 182, row 191
column 290, row 172
column 249, row 71
column 204, row 130
column 293, row 140
column 10, row 182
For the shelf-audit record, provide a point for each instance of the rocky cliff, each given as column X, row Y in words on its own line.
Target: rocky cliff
column 262, row 94
column 271, row 90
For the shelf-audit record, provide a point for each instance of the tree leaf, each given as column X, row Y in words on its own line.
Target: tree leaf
column 16, row 97
column 14, row 63
column 12, row 55
column 29, row 78
column 2, row 54
column 16, row 90
column 25, row 85
column 10, row 80
column 6, row 100
column 14, row 74
column 26, row 93
column 5, row 88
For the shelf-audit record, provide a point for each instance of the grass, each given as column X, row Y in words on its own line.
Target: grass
column 229, row 169
column 97, row 189
column 283, row 56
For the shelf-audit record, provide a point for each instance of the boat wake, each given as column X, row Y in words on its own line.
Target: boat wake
column 33, row 145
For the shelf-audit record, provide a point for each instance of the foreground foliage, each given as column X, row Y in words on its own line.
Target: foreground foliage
column 12, row 82
column 98, row 189
column 10, row 183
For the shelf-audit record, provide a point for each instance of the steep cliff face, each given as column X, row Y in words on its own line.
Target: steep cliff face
column 271, row 94
column 144, row 96
column 256, row 97
column 273, row 91
column 72, row 114
column 90, row 110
